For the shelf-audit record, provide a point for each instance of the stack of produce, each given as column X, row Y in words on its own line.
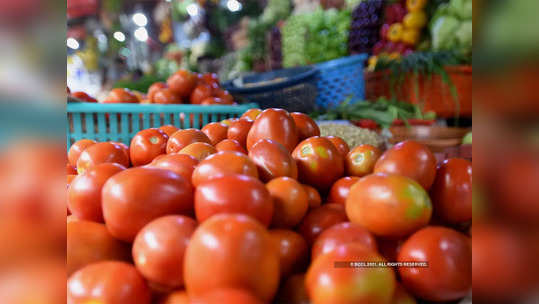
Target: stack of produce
column 365, row 26
column 262, row 209
column 451, row 27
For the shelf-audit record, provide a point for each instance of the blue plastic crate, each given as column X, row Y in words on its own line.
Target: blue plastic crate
column 339, row 79
column 120, row 122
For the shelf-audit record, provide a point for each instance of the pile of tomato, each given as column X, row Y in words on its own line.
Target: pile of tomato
column 261, row 209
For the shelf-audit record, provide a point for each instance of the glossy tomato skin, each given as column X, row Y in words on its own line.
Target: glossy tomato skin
column 201, row 92
column 159, row 248
column 234, row 194
column 224, row 95
column 340, row 189
column 319, row 163
column 199, row 150
column 168, row 129
column 176, row 297
column 230, row 145
column 293, row 251
column 210, row 78
column 305, row 125
column 293, row 291
column 341, row 234
column 274, row 124
column 136, row 196
column 239, row 129
column 388, row 205
column 229, row 121
column 319, row 219
column 83, row 96
column 360, row 161
column 121, row 95
column 251, row 114
column 273, row 160
column 212, row 101
column 84, row 193
column 181, row 164
column 223, row 163
column 182, row 82
column 329, row 284
column 340, row 144
column 70, row 170
column 166, row 96
column 108, row 282
column 290, row 200
column 183, row 138
column 451, row 192
column 103, row 152
column 241, row 244
column 146, row 145
column 90, row 242
column 124, row 147
column 447, row 252
column 76, row 149
column 216, row 132
column 411, row 159
column 228, row 296
column 154, row 88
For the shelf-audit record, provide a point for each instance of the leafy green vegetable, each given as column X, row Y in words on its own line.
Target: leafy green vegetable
column 462, row 9
column 451, row 27
column 443, row 32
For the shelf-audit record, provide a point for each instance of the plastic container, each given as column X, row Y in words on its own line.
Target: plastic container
column 120, row 122
column 340, row 79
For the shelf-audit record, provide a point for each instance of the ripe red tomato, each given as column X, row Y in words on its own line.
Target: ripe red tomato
column 410, row 159
column 447, row 252
column 229, row 121
column 83, row 96
column 340, row 190
column 70, row 170
column 84, row 193
column 201, row 92
column 340, row 144
column 274, row 124
column 212, row 101
column 223, row 163
column 159, row 248
column 107, row 282
column 89, row 242
column 181, row 164
column 341, row 234
column 228, row 296
column 136, row 196
column 305, row 125
column 182, row 82
column 327, row 283
column 230, row 145
column 103, row 152
column 314, row 197
column 176, row 297
column 124, row 147
column 239, row 244
column 273, row 160
column 319, row 163
column 210, row 79
column 251, row 114
column 183, row 138
column 199, row 150
column 166, row 96
column 319, row 219
column 290, row 200
column 239, row 129
column 169, row 129
column 146, row 145
column 293, row 291
column 361, row 160
column 293, row 251
column 154, row 88
column 76, row 149
column 224, row 95
column 121, row 95
column 451, row 192
column 216, row 132
column 388, row 205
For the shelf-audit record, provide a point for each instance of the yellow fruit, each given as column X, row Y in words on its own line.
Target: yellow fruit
column 415, row 5
column 411, row 36
column 395, row 32
column 415, row 20
column 372, row 63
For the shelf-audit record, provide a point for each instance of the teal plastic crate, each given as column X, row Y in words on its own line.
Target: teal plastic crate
column 120, row 122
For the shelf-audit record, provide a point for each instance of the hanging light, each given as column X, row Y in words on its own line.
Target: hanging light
column 72, row 43
column 140, row 19
column 141, row 34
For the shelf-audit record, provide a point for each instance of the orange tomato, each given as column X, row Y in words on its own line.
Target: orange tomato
column 341, row 234
column 273, row 160
column 290, row 200
column 293, row 251
column 76, row 149
column 166, row 96
column 182, row 82
column 99, row 153
column 239, row 129
column 340, row 190
column 183, row 138
column 274, row 124
column 181, row 164
column 361, row 160
column 340, row 144
column 169, row 129
column 223, row 163
column 319, row 219
column 199, row 150
column 216, row 132
column 306, row 126
column 146, row 145
column 120, row 95
column 201, row 92
column 230, row 145
column 154, row 88
column 314, row 197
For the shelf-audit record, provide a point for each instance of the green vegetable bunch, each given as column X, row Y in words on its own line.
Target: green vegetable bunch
column 451, row 27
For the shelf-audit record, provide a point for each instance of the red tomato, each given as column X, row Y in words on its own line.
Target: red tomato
column 319, row 219
column 361, row 160
column 340, row 190
column 447, row 252
column 124, row 147
column 314, row 197
column 239, row 129
column 83, row 96
column 216, row 132
column 76, row 149
column 224, row 95
column 181, row 164
column 89, row 242
column 166, row 96
column 136, row 196
column 199, row 150
column 228, row 296
column 107, row 282
column 201, row 92
column 274, row 124
column 234, row 194
column 154, row 88
column 223, row 163
column 146, row 145
column 176, row 297
column 103, row 152
column 120, row 95
column 183, row 138
column 328, row 283
column 182, row 82
column 70, row 178
column 293, row 251
column 389, row 248
column 319, row 163
column 230, row 145
column 212, row 101
column 340, row 144
column 71, row 170
column 238, row 246
column 210, row 79
column 273, row 160
column 411, row 159
column 251, row 114
column 84, row 193
column 388, row 205
column 169, row 129
column 290, row 200
column 341, row 234
column 305, row 125
column 451, row 192
column 293, row 291
column 159, row 248
column 401, row 296
column 229, row 121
